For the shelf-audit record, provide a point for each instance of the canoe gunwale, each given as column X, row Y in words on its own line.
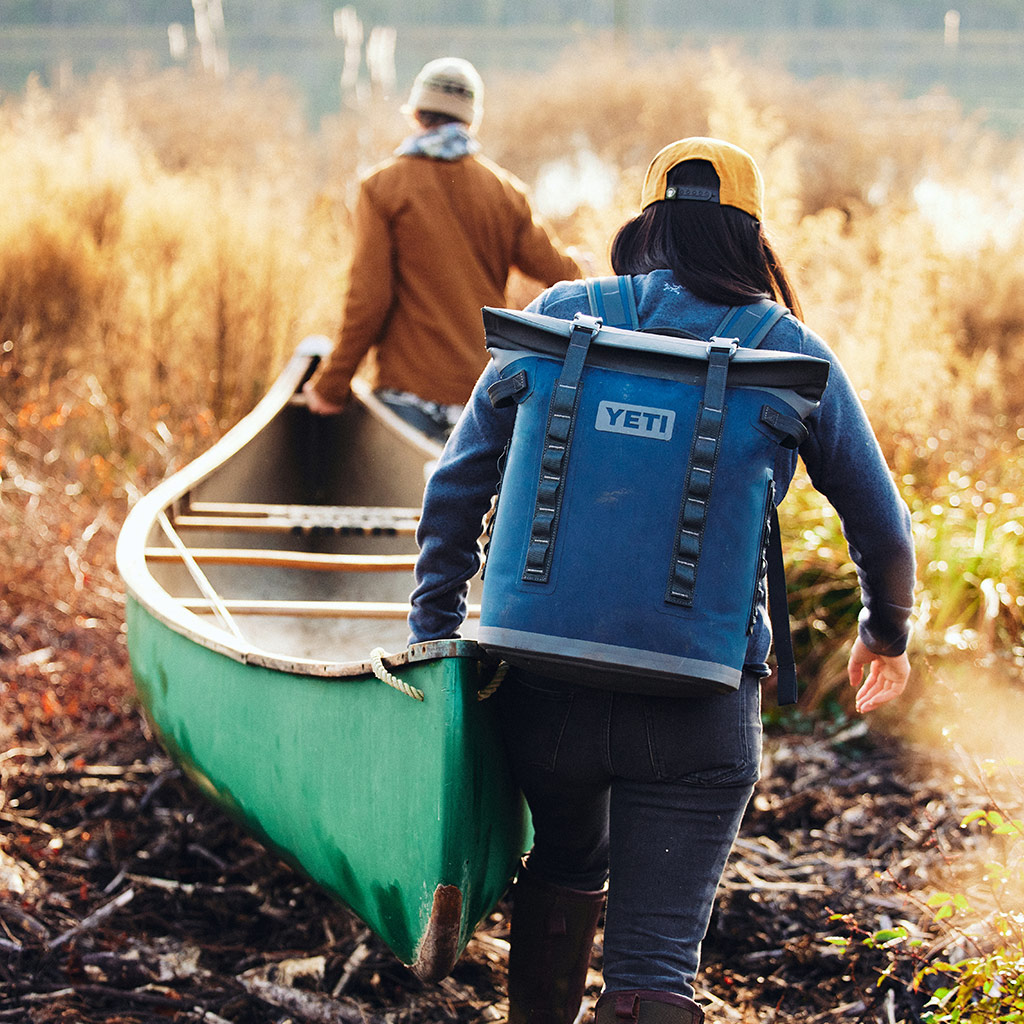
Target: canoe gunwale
column 141, row 586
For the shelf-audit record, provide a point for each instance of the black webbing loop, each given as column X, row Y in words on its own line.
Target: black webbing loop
column 792, row 429
column 506, row 390
column 555, row 456
column 778, row 614
column 707, row 438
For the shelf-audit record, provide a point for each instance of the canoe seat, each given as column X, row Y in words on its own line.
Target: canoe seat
column 349, row 520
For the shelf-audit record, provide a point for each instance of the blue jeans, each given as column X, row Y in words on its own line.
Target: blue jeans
column 646, row 792
column 430, row 418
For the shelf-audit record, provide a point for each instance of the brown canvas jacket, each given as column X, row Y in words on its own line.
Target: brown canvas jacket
column 434, row 242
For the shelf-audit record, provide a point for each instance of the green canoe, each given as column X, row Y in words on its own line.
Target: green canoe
column 265, row 583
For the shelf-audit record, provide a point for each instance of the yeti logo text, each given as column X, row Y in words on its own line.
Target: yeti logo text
column 640, row 420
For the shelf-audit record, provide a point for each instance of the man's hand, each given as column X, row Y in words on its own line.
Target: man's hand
column 886, row 679
column 319, row 405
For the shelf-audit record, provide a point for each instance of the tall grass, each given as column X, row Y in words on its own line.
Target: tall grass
column 161, row 240
column 169, row 239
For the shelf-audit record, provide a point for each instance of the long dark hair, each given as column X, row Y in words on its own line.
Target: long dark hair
column 718, row 252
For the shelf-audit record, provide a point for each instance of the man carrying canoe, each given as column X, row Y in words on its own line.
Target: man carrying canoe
column 438, row 227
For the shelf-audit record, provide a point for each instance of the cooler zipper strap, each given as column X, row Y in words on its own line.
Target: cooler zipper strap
column 707, row 439
column 555, row 456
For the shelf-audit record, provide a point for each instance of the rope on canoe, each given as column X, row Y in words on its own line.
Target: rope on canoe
column 493, row 683
column 389, row 677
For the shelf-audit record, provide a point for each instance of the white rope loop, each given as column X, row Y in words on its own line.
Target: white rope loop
column 389, row 677
column 493, row 683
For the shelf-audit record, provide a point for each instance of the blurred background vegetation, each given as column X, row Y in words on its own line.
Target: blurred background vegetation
column 971, row 49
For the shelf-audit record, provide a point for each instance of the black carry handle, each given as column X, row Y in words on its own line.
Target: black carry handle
column 505, row 390
column 557, row 442
column 707, row 440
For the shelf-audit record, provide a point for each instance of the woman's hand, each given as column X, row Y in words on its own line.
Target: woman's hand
column 315, row 403
column 886, row 679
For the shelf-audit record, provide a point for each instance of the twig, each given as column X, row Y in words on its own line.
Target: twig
column 191, row 888
column 46, row 997
column 94, row 919
column 156, row 784
column 208, row 1016
column 131, row 995
column 10, row 911
column 24, row 751
column 115, row 882
column 890, row 1006
column 201, row 851
column 354, row 962
column 30, row 823
column 758, row 884
column 311, row 1006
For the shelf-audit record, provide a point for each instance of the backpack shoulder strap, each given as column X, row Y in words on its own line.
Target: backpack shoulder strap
column 612, row 299
column 751, row 323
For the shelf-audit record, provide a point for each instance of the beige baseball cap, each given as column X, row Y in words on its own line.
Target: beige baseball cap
column 448, row 85
column 740, row 183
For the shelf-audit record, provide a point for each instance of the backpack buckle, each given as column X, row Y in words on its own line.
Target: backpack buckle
column 727, row 345
column 588, row 323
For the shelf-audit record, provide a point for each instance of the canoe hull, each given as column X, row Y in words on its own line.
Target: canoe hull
column 403, row 810
column 264, row 581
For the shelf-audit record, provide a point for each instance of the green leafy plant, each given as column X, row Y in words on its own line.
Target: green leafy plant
column 988, row 986
column 972, row 972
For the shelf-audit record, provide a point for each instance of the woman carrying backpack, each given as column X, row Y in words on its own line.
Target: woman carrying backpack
column 646, row 790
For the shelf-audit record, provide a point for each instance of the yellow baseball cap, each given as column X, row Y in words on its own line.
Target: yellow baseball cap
column 740, row 183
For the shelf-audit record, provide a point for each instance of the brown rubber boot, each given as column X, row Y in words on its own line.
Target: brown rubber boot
column 551, row 938
column 647, row 1008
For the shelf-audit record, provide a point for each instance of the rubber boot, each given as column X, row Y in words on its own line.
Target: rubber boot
column 646, row 1008
column 551, row 938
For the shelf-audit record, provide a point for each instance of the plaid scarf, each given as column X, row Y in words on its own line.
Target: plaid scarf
column 450, row 141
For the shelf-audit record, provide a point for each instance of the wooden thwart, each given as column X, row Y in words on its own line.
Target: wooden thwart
column 312, row 609
column 275, row 559
column 357, row 519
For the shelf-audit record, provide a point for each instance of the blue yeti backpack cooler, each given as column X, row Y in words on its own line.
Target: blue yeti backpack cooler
column 631, row 532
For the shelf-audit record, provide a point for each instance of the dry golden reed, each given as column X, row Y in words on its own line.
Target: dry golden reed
column 862, row 190
column 176, row 266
